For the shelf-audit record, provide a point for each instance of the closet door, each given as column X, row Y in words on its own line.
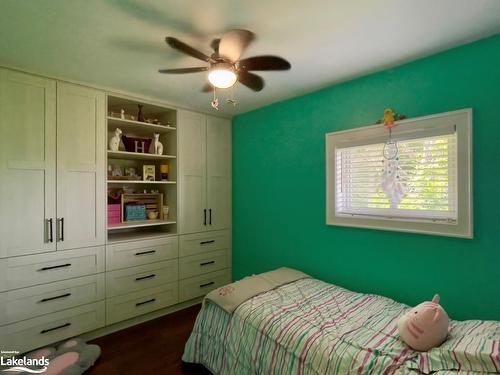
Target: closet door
column 192, row 172
column 219, row 172
column 81, row 167
column 27, row 163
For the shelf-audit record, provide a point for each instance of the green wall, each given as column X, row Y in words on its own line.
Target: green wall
column 279, row 186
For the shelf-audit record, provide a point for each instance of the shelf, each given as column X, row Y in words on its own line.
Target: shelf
column 116, row 237
column 137, row 156
column 140, row 224
column 141, row 182
column 138, row 126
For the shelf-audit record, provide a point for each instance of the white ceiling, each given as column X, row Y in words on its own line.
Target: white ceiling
column 120, row 43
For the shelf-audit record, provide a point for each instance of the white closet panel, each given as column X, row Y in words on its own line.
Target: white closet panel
column 27, row 163
column 192, row 171
column 81, row 189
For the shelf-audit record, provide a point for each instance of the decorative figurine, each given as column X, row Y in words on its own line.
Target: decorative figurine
column 157, row 145
column 122, row 114
column 140, row 116
column 215, row 104
column 114, row 142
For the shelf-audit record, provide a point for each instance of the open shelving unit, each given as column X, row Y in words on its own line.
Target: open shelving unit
column 166, row 119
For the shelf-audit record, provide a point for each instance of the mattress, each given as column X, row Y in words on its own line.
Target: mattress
column 312, row 327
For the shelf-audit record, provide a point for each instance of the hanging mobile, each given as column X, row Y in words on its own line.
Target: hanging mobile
column 390, row 181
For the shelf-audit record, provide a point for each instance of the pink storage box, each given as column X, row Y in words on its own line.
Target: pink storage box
column 114, row 214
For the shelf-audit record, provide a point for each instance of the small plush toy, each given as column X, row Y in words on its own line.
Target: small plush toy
column 389, row 118
column 72, row 357
column 425, row 326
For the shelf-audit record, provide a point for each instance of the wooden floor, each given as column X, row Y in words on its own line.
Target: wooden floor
column 154, row 347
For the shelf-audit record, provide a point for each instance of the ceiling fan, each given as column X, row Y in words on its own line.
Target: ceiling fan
column 224, row 65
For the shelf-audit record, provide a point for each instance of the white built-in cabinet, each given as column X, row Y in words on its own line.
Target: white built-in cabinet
column 204, row 172
column 52, row 165
column 63, row 270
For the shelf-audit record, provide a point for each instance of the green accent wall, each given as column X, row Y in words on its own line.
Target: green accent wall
column 279, row 186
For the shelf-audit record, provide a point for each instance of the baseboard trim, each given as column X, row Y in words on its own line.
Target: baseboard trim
column 138, row 320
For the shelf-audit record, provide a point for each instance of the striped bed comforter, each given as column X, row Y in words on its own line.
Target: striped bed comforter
column 312, row 327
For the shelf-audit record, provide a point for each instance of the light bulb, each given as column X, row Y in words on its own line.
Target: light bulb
column 222, row 76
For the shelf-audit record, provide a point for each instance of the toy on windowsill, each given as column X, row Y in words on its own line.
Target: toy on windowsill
column 390, row 116
column 425, row 326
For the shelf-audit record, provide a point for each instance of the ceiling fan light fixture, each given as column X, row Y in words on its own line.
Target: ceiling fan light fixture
column 222, row 75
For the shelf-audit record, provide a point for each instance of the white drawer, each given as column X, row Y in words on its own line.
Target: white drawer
column 20, row 272
column 141, row 277
column 141, row 302
column 50, row 328
column 27, row 303
column 200, row 285
column 199, row 243
column 136, row 253
column 197, row 265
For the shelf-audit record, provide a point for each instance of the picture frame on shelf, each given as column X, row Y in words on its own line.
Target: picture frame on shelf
column 148, row 173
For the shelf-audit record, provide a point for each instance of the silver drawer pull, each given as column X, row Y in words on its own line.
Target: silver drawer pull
column 207, row 284
column 207, row 242
column 148, row 301
column 53, row 329
column 145, row 277
column 207, row 263
column 146, row 252
column 54, row 267
column 53, row 298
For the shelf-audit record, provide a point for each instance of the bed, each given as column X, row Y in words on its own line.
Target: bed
column 311, row 327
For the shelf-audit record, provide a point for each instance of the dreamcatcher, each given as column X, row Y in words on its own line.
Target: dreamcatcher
column 391, row 180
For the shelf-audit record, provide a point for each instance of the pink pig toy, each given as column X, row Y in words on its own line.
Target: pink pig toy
column 425, row 326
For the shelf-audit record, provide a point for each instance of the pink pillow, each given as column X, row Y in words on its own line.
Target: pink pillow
column 425, row 326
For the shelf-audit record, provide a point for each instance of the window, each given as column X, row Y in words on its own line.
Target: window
column 419, row 181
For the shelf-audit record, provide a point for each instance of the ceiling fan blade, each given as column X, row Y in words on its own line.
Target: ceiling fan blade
column 207, row 88
column 234, row 42
column 265, row 62
column 184, row 48
column 250, row 80
column 184, row 70
column 215, row 45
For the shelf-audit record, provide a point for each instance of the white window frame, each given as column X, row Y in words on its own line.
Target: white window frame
column 461, row 120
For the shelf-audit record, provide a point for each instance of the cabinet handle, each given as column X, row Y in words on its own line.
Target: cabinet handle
column 61, row 230
column 143, row 303
column 145, row 277
column 53, row 298
column 207, row 263
column 145, row 252
column 207, row 284
column 54, row 267
column 205, row 216
column 51, row 232
column 206, row 242
column 53, row 329
column 210, row 216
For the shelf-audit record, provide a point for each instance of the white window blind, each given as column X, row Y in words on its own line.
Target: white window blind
column 423, row 175
column 427, row 188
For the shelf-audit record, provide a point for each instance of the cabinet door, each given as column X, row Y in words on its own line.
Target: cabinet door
column 219, row 172
column 81, row 168
column 27, row 163
column 192, row 171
